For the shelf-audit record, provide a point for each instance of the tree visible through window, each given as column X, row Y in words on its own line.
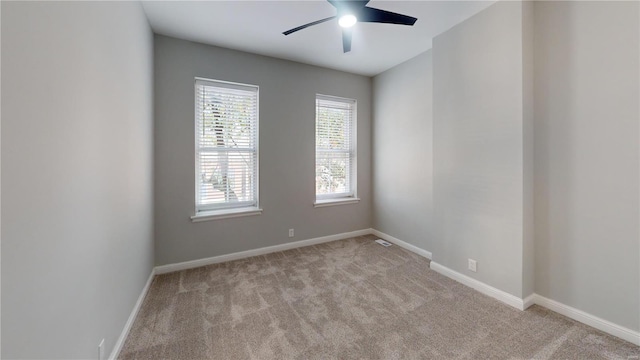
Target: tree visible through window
column 226, row 145
column 335, row 147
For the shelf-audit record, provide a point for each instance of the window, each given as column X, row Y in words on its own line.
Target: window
column 226, row 123
column 335, row 149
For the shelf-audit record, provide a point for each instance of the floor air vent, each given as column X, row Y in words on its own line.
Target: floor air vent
column 383, row 243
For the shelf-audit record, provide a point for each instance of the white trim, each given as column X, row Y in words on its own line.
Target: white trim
column 334, row 202
column 402, row 244
column 529, row 301
column 588, row 319
column 163, row 269
column 353, row 146
column 622, row 332
column 132, row 317
column 520, row 304
column 225, row 214
column 488, row 290
column 199, row 81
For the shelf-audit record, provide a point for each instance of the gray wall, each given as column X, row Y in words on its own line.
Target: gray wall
column 586, row 157
column 478, row 146
column 402, row 151
column 77, row 243
column 549, row 205
column 287, row 151
column 528, row 116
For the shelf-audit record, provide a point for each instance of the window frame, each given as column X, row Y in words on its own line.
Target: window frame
column 349, row 197
column 225, row 210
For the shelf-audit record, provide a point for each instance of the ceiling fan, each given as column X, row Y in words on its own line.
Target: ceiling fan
column 351, row 11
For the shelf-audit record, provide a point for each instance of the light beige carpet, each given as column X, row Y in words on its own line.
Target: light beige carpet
column 348, row 299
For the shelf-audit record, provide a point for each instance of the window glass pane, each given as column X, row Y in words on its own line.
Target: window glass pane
column 226, row 177
column 332, row 171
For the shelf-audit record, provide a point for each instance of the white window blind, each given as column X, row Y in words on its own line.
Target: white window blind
column 226, row 126
column 335, row 147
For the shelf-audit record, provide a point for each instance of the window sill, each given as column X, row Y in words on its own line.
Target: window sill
column 225, row 214
column 334, row 202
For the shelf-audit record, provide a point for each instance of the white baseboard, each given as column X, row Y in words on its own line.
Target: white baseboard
column 488, row 290
column 529, row 301
column 514, row 301
column 163, row 269
column 132, row 317
column 522, row 304
column 402, row 244
column 588, row 319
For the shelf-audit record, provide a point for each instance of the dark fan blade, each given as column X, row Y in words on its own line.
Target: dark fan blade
column 307, row 25
column 368, row 14
column 346, row 40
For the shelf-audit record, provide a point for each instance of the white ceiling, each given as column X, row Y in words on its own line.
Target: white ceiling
column 257, row 26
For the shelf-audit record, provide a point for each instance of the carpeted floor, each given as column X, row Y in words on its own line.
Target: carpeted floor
column 348, row 299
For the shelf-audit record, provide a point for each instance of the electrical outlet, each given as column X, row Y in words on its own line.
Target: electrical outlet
column 290, row 232
column 472, row 265
column 101, row 350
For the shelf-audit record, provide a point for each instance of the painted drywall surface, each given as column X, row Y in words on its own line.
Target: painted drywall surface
column 287, row 151
column 586, row 157
column 478, row 146
column 77, row 245
column 402, row 151
column 528, row 116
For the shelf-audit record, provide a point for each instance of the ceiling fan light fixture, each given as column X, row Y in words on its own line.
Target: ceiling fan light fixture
column 347, row 21
column 346, row 10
